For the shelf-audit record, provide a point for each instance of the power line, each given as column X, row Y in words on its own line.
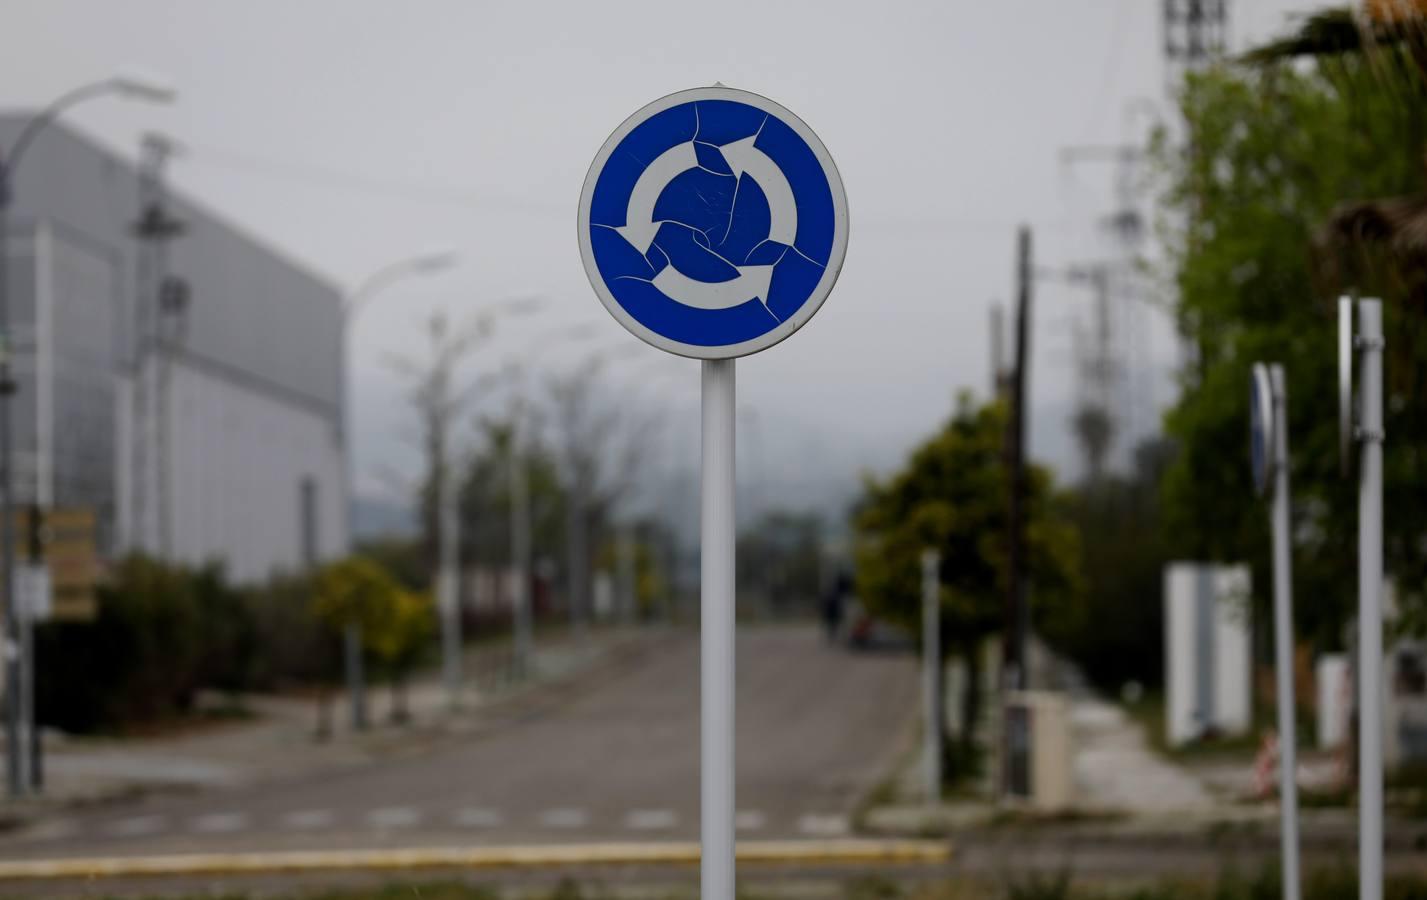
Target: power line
column 322, row 176
column 427, row 192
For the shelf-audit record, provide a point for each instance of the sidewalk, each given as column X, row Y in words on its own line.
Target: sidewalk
column 1126, row 794
column 1119, row 780
column 280, row 738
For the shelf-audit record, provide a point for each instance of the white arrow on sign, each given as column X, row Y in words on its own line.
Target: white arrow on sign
column 742, row 157
column 751, row 284
column 639, row 226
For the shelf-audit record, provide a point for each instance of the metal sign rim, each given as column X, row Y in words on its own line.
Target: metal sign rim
column 820, row 292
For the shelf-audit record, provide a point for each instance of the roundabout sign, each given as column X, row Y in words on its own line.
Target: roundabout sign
column 713, row 223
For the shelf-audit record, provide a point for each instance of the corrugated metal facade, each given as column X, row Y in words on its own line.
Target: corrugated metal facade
column 254, row 390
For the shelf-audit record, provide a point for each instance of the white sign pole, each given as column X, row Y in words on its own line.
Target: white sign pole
column 1283, row 638
column 1370, row 604
column 931, row 673
column 716, row 613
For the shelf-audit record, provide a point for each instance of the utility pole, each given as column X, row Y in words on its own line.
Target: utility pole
column 1016, row 614
column 931, row 675
column 998, row 351
column 1194, row 30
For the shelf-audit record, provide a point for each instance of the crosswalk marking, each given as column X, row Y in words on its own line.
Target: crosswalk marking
column 393, row 817
column 565, row 817
column 220, row 822
column 137, row 826
column 651, row 819
column 55, row 830
column 749, row 820
column 308, row 819
column 823, row 824
column 478, row 817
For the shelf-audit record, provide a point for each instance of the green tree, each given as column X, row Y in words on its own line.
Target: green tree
column 1279, row 153
column 1113, row 633
column 354, row 591
column 401, row 641
column 953, row 496
column 780, row 562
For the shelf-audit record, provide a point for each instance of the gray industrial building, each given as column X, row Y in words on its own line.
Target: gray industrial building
column 187, row 387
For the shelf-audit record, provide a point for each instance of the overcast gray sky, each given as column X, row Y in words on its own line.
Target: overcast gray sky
column 329, row 127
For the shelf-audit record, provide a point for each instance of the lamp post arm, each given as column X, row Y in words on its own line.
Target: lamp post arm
column 44, row 117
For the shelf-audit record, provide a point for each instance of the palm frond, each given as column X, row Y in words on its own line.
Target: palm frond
column 1327, row 33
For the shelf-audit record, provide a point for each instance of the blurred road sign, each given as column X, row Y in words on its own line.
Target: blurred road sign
column 713, row 223
column 70, row 554
column 1261, row 428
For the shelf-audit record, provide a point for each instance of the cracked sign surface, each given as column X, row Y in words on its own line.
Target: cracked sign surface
column 713, row 223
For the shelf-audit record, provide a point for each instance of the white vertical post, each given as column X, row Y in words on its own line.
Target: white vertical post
column 716, row 615
column 449, row 583
column 1370, row 604
column 1283, row 638
column 931, row 673
column 520, row 536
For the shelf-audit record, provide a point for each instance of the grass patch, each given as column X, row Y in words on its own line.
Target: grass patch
column 1148, row 713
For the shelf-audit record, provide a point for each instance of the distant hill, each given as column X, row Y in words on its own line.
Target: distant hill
column 374, row 517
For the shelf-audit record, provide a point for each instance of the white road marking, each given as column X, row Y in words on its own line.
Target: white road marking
column 54, row 830
column 308, row 819
column 478, row 817
column 749, row 820
column 137, row 826
column 824, row 824
column 220, row 823
column 564, row 817
column 651, row 819
column 393, row 817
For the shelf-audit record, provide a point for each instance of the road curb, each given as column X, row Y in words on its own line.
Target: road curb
column 513, row 857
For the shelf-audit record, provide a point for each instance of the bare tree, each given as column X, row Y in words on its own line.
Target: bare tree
column 601, row 447
column 438, row 403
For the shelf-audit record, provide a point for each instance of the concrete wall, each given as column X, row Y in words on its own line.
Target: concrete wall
column 237, row 464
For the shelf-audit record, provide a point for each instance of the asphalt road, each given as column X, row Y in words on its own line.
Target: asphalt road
column 615, row 759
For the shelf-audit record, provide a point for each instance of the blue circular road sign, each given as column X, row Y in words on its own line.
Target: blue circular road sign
column 713, row 223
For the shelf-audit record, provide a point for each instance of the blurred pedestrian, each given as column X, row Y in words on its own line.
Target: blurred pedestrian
column 834, row 602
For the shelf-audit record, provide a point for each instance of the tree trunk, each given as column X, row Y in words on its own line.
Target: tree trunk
column 400, row 713
column 970, row 701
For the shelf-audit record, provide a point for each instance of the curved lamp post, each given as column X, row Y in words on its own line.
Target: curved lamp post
column 132, row 85
column 425, row 263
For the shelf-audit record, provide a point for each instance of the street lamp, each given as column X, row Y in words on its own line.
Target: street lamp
column 424, row 263
column 131, row 85
column 448, row 515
